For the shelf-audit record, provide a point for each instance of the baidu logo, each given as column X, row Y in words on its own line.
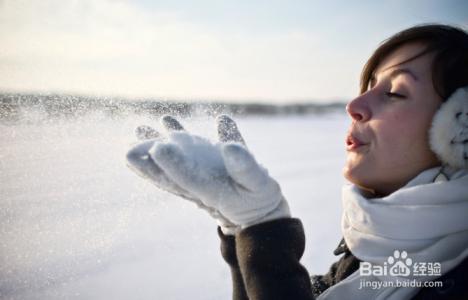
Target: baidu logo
column 403, row 268
column 400, row 265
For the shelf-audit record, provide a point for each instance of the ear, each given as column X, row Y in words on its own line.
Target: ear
column 448, row 135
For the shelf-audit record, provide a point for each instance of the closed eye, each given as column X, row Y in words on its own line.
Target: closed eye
column 395, row 95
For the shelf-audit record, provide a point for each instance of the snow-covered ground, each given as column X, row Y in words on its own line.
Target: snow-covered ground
column 76, row 223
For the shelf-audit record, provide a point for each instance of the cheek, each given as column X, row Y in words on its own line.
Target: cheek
column 401, row 143
column 393, row 136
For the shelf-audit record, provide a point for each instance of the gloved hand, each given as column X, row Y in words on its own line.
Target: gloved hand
column 222, row 178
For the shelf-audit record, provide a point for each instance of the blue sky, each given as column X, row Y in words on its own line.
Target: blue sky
column 271, row 51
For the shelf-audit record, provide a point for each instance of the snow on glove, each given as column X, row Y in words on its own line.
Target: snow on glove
column 224, row 176
column 139, row 160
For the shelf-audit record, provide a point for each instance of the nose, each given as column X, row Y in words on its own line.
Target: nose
column 358, row 109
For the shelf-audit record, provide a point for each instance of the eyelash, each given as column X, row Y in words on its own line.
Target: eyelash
column 395, row 95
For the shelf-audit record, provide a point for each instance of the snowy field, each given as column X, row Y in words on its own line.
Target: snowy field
column 76, row 223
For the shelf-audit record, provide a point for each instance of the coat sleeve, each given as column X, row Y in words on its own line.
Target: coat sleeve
column 228, row 251
column 269, row 259
column 265, row 263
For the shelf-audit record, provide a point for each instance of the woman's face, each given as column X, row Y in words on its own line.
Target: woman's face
column 387, row 144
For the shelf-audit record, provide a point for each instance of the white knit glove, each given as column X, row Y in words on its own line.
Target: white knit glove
column 222, row 178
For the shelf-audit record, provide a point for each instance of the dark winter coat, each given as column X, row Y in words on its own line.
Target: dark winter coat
column 264, row 263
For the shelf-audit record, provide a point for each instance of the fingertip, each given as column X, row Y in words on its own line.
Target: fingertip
column 131, row 157
column 138, row 152
column 171, row 123
column 145, row 132
column 223, row 118
column 227, row 130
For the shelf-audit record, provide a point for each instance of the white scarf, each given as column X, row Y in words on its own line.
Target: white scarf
column 427, row 219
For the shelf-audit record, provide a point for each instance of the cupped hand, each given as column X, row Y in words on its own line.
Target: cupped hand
column 222, row 178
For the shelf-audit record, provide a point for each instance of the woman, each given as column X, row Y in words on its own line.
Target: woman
column 406, row 205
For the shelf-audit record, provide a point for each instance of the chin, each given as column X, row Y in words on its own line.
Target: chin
column 354, row 176
column 351, row 173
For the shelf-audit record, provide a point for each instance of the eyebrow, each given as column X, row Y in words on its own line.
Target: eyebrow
column 397, row 72
column 394, row 74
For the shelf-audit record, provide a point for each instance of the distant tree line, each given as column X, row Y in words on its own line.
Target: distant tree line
column 15, row 107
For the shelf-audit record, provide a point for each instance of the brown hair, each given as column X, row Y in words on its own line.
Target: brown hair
column 450, row 64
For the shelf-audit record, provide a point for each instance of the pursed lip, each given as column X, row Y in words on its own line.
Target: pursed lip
column 353, row 143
